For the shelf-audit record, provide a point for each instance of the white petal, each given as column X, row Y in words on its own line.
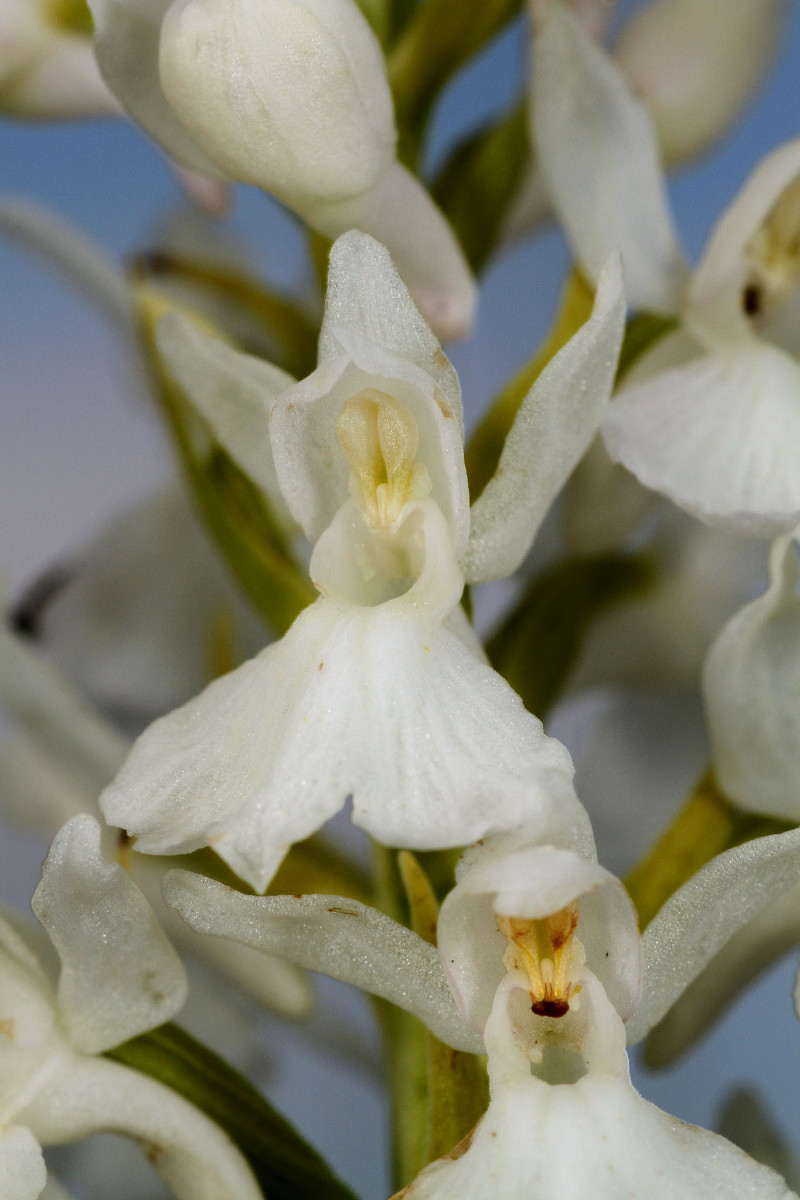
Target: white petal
column 333, row 935
column 312, row 470
column 381, row 703
column 367, row 297
column 720, row 273
column 119, row 975
column 597, row 150
column 597, row 1138
column 197, row 1160
column 22, row 1170
column 706, row 913
column 233, row 392
column 399, row 212
column 770, row 934
column 696, row 63
column 126, row 44
column 56, row 720
column 751, row 685
column 718, row 436
column 536, row 882
column 551, row 432
column 75, row 255
column 135, row 626
column 290, row 96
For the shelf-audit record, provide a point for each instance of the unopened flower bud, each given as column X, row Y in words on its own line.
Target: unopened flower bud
column 696, row 63
column 290, row 95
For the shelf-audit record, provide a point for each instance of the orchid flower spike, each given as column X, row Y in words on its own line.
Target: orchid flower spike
column 292, row 96
column 119, row 978
column 539, row 957
column 48, row 67
column 379, row 690
column 709, row 416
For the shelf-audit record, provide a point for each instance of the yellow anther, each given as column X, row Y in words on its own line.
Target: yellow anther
column 547, row 952
column 379, row 438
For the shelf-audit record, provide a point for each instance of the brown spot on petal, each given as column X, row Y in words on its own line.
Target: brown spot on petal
column 7, row 1028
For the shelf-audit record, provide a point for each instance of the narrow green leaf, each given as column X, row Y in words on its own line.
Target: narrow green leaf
column 235, row 511
column 538, row 644
column 707, row 825
column 285, row 1165
column 440, row 37
column 480, row 179
column 258, row 319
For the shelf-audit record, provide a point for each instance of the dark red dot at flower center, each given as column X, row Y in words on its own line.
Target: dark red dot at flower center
column 550, row 1008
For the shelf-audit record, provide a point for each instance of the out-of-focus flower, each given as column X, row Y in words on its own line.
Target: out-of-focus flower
column 696, row 63
column 292, row 96
column 751, row 687
column 47, row 63
column 379, row 690
column 119, row 978
column 540, row 947
column 710, row 415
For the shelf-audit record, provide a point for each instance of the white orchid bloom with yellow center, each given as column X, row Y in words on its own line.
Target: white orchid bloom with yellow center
column 119, row 978
column 379, row 690
column 709, row 416
column 291, row 96
column 539, row 964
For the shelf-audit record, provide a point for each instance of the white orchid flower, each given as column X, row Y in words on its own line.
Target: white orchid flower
column 751, row 687
column 54, row 767
column 292, row 96
column 540, row 948
column 48, row 66
column 710, row 416
column 379, row 690
column 119, row 978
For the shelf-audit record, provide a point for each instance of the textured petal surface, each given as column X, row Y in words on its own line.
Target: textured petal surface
column 751, row 686
column 596, row 1138
column 597, row 149
column 197, row 1160
column 382, row 703
column 551, row 432
column 399, row 212
column 718, row 436
column 706, row 913
column 335, row 936
column 233, row 392
column 119, row 975
column 126, row 44
column 22, row 1170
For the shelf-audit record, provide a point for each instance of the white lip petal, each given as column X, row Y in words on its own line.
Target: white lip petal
column 597, row 150
column 751, row 685
column 399, row 212
column 706, row 913
column 334, row 935
column 552, row 430
column 233, row 392
column 119, row 975
column 23, row 1174
column 719, row 436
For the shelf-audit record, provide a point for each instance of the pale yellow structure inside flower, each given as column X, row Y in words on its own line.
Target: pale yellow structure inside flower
column 774, row 253
column 548, row 953
column 379, row 437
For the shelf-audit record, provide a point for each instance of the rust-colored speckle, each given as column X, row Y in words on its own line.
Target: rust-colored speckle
column 7, row 1028
column 321, row 665
column 345, row 912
